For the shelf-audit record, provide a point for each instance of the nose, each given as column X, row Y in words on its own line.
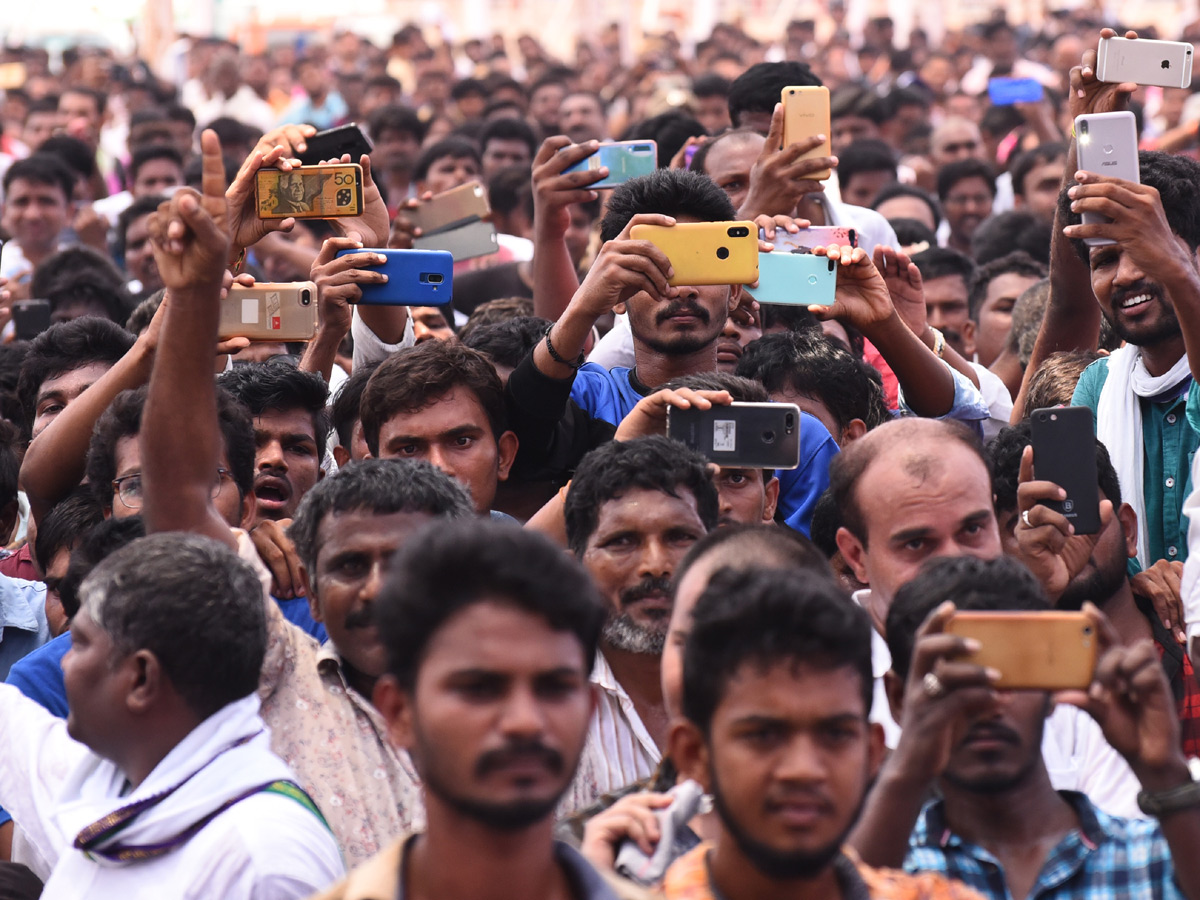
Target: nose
column 655, row 560
column 801, row 762
column 1128, row 271
column 422, row 332
column 370, row 588
column 935, row 316
column 522, row 714
column 439, row 459
column 270, row 456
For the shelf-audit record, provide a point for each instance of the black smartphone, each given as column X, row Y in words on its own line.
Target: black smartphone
column 1064, row 452
column 30, row 318
column 741, row 435
column 333, row 142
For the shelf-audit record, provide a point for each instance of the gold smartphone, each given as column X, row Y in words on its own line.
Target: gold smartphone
column 451, row 209
column 310, row 192
column 283, row 311
column 1047, row 651
column 706, row 252
column 806, row 113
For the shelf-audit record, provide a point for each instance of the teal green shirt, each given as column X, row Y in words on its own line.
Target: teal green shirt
column 1170, row 436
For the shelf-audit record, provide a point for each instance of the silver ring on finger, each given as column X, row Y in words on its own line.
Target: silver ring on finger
column 932, row 686
column 1025, row 519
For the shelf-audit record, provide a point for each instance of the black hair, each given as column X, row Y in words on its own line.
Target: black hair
column 790, row 318
column 1038, row 156
column 98, row 97
column 651, row 463
column 509, row 128
column 64, row 348
column 143, row 313
column 445, row 570
column 807, row 362
column 899, row 97
column 1011, row 231
column 940, row 262
column 142, row 206
column 826, row 520
column 466, row 87
column 280, row 386
column 671, row 192
column 344, row 409
column 764, row 619
column 403, row 119
column 231, row 132
column 907, row 190
column 972, row 583
column 670, row 130
column 865, row 156
column 857, row 101
column 380, row 487
column 66, row 522
column 507, row 343
column 710, row 84
column 82, row 275
column 510, row 189
column 912, row 231
column 104, row 538
column 143, row 155
column 45, row 169
column 74, row 153
column 1015, row 263
column 452, row 147
column 1177, row 180
column 699, row 161
column 760, row 87
column 960, row 170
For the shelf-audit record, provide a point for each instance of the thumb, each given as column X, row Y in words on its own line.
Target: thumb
column 775, row 135
column 198, row 220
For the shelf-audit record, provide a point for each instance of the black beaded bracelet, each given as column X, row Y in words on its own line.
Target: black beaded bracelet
column 554, row 354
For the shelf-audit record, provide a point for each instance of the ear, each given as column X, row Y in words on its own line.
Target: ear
column 395, row 705
column 689, row 751
column 310, row 591
column 1127, row 516
column 506, row 454
column 968, row 337
column 852, row 432
column 735, row 296
column 341, row 456
column 146, row 681
column 854, row 553
column 248, row 505
column 895, row 693
column 876, row 748
column 770, row 498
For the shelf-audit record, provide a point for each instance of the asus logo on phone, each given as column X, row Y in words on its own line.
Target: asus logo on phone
column 1111, row 162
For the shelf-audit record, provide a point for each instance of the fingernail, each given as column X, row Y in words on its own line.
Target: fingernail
column 380, row 258
column 821, row 137
column 1073, row 191
column 993, row 674
column 385, row 278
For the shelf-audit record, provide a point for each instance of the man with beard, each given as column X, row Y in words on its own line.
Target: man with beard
column 490, row 633
column 776, row 697
column 997, row 823
column 633, row 510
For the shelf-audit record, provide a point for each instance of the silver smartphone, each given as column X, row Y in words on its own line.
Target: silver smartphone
column 741, row 435
column 465, row 242
column 1108, row 146
column 1160, row 63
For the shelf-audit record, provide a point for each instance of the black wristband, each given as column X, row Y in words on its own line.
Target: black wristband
column 554, row 354
column 1163, row 803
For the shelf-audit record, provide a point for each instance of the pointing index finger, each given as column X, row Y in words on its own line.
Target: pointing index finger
column 212, row 172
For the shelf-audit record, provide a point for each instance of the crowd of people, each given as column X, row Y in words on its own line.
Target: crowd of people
column 430, row 605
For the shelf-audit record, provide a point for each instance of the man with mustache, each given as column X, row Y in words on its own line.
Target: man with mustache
column 490, row 633
column 998, row 824
column 633, row 510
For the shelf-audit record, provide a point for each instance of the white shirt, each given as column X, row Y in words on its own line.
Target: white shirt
column 267, row 845
column 369, row 348
column 1190, row 587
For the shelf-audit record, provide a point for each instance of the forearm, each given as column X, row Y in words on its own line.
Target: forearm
column 1181, row 829
column 320, row 353
column 56, row 460
column 551, row 520
column 1007, row 368
column 953, row 358
column 928, row 387
column 1183, row 285
column 386, row 321
column 888, row 818
column 555, row 280
column 569, row 336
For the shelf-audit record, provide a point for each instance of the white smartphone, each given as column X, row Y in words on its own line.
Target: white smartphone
column 1161, row 63
column 1108, row 146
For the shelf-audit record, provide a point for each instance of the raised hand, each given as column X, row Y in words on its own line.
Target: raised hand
column 1090, row 95
column 246, row 228
column 372, row 225
column 554, row 191
column 649, row 416
column 780, row 178
column 862, row 297
column 1162, row 585
column 338, row 278
column 623, row 268
column 903, row 280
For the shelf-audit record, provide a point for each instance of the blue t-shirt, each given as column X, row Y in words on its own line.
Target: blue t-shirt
column 298, row 612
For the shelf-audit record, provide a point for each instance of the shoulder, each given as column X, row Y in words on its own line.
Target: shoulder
column 892, row 884
column 378, row 876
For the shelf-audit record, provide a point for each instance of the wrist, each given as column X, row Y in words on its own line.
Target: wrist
column 1163, row 776
column 886, row 331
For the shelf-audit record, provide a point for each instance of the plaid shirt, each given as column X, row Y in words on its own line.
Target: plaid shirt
column 1184, row 686
column 1106, row 858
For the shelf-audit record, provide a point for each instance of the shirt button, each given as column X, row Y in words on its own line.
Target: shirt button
column 1172, row 551
column 1170, row 482
column 1171, row 418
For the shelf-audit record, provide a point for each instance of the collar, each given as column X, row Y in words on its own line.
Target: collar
column 637, row 384
column 933, row 831
column 19, row 602
column 603, row 676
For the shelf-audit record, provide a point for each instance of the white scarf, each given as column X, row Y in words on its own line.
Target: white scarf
column 1119, row 425
column 216, row 771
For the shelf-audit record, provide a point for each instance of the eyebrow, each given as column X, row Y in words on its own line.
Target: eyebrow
column 903, row 537
column 457, row 431
column 260, row 434
column 775, row 721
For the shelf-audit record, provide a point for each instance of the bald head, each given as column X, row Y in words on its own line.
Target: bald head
column 956, row 138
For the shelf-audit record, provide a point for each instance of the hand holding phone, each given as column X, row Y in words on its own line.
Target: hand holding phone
column 1041, row 651
column 1107, row 145
column 1161, row 63
column 407, row 277
column 706, row 252
column 284, row 311
column 805, row 115
column 333, row 143
column 310, row 192
column 625, row 160
column 795, row 279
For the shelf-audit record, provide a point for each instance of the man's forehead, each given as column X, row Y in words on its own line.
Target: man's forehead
column 279, row 421
column 635, row 506
column 364, row 528
column 73, row 378
column 946, row 287
column 456, row 409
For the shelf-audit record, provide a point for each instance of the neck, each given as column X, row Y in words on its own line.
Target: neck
column 36, row 255
column 640, row 674
column 655, row 369
column 152, row 746
column 1127, row 619
column 959, row 243
column 1161, row 356
column 810, row 208
column 1026, row 813
column 360, row 681
column 397, row 181
column 318, row 97
column 500, row 864
column 735, row 876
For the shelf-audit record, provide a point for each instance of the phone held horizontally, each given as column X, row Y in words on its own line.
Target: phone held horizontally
column 706, row 252
column 415, row 278
column 1046, row 651
column 310, row 192
column 285, row 311
column 1160, row 63
column 625, row 160
column 740, row 435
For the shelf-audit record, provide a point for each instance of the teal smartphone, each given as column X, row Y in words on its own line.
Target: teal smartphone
column 624, row 160
column 795, row 279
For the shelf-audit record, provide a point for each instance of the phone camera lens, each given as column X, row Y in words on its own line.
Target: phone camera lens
column 305, row 298
column 738, row 231
column 1053, row 417
column 1087, row 629
column 768, row 437
column 790, row 423
column 722, row 253
column 1083, row 127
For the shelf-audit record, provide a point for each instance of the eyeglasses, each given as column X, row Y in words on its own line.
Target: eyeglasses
column 129, row 488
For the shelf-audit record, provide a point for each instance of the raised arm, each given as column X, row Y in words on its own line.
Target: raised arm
column 180, row 440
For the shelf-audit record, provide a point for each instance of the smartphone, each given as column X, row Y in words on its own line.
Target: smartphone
column 741, row 435
column 333, row 143
column 468, row 241
column 1064, row 451
column 415, row 278
column 806, row 113
column 795, row 279
column 1007, row 91
column 269, row 311
column 1107, row 145
column 1161, row 63
column 1047, row 651
column 310, row 192
column 625, row 161
column 30, row 318
column 805, row 239
column 706, row 252
column 451, row 209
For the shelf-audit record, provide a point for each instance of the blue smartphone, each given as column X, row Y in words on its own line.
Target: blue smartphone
column 795, row 279
column 415, row 278
column 625, row 160
column 1007, row 91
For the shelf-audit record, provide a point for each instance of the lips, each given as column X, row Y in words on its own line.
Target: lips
column 1136, row 298
column 800, row 812
column 989, row 737
column 729, row 351
column 272, row 492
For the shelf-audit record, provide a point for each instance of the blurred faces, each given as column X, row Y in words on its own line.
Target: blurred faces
column 729, row 162
column 395, row 151
column 947, row 308
column 36, row 214
column 429, row 324
column 82, row 116
column 581, row 118
column 544, row 104
column 57, row 393
column 956, row 139
column 967, row 204
column 449, row 172
column 39, row 126
column 713, row 113
column 579, row 233
column 995, row 314
column 155, row 176
column 139, row 255
column 845, row 130
column 286, row 463
column 502, row 152
column 1039, row 191
column 907, row 208
column 865, row 187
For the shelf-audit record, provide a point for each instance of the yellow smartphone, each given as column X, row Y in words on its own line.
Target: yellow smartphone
column 282, row 311
column 806, row 113
column 706, row 252
column 1047, row 651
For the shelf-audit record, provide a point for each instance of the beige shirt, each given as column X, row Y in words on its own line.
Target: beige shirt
column 332, row 737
